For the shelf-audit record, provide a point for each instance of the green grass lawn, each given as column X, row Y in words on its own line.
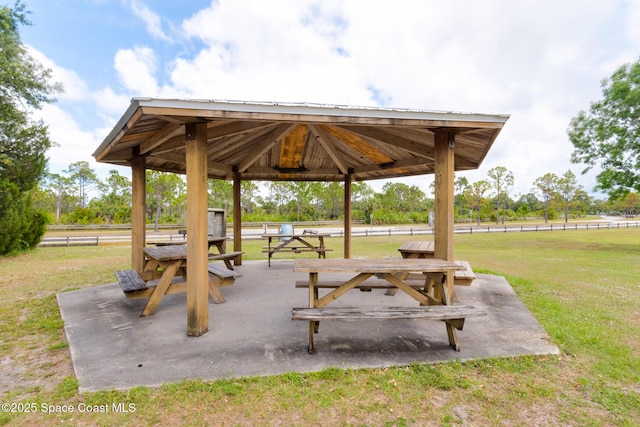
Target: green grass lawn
column 583, row 287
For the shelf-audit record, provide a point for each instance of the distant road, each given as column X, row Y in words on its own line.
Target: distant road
column 357, row 231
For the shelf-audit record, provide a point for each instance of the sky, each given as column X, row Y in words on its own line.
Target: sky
column 540, row 61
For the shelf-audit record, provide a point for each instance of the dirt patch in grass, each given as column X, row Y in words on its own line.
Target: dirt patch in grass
column 32, row 366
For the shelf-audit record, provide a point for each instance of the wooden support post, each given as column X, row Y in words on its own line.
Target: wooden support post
column 138, row 208
column 237, row 217
column 444, row 176
column 197, row 246
column 348, row 179
column 444, row 203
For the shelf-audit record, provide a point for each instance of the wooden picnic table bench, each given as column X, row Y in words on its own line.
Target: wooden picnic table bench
column 454, row 315
column 435, row 303
column 165, row 273
column 426, row 249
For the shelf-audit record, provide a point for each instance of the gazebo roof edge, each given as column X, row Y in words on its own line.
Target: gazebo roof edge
column 295, row 108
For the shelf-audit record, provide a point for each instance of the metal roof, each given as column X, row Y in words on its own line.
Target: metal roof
column 291, row 141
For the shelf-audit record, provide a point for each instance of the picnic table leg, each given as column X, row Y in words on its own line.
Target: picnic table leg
column 161, row 288
column 313, row 297
column 311, row 350
column 321, row 252
column 214, row 290
column 442, row 288
column 151, row 265
column 221, row 251
column 430, row 282
column 401, row 276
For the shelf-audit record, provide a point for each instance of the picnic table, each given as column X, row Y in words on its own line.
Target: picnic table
column 295, row 243
column 168, row 264
column 217, row 242
column 426, row 249
column 434, row 302
column 418, row 249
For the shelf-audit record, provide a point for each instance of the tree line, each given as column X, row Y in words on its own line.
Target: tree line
column 64, row 197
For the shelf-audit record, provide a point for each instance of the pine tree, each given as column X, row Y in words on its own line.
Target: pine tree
column 24, row 84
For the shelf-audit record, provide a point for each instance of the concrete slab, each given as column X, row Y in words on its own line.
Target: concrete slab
column 252, row 334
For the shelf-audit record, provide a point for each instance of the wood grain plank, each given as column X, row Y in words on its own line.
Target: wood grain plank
column 375, row 266
column 292, row 147
column 432, row 312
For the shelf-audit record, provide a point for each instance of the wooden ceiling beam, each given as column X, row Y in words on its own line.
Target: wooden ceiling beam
column 181, row 159
column 465, row 163
column 169, row 131
column 170, row 119
column 176, row 144
column 270, row 171
column 223, row 146
column 357, row 143
column 168, row 157
column 383, row 136
column 401, row 164
column 231, row 128
column 263, row 144
column 325, row 140
column 292, row 147
column 132, row 137
column 220, row 167
column 121, row 133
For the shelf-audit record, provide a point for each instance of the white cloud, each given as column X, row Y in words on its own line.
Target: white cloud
column 75, row 89
column 136, row 68
column 74, row 143
column 152, row 21
column 110, row 103
column 632, row 19
column 67, row 127
column 284, row 52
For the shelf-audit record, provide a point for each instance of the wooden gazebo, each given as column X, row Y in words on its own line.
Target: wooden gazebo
column 292, row 142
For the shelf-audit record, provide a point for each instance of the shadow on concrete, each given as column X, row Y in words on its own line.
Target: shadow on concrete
column 252, row 334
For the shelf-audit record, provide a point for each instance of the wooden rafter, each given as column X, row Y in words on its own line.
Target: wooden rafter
column 233, row 128
column 393, row 138
column 169, row 131
column 357, row 143
column 398, row 165
column 324, row 139
column 292, row 147
column 263, row 144
column 121, row 133
column 222, row 147
column 276, row 171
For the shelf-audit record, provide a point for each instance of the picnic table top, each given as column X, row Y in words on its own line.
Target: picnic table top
column 418, row 246
column 168, row 253
column 340, row 265
column 296, row 235
column 210, row 239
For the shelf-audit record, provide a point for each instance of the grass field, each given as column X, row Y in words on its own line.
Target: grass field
column 583, row 287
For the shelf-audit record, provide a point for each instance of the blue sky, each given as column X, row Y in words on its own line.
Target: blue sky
column 540, row 61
